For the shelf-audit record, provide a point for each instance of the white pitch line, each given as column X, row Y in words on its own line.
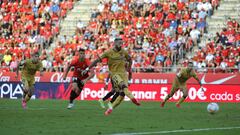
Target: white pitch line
column 178, row 131
column 11, row 108
column 37, row 108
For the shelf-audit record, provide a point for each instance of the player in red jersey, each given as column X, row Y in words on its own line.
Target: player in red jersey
column 78, row 80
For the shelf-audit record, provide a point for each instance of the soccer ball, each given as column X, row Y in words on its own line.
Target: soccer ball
column 212, row 108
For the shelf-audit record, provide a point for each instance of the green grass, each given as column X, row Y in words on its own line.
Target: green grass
column 50, row 117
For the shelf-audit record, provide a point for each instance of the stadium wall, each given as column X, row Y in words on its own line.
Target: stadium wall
column 145, row 86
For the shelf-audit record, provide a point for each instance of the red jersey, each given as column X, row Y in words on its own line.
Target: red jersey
column 79, row 66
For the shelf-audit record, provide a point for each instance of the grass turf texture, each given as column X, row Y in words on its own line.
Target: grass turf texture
column 48, row 117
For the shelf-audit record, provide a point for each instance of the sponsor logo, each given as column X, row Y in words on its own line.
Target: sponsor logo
column 149, row 81
column 58, row 77
column 90, row 93
column 220, row 81
column 4, row 78
column 222, row 96
column 12, row 91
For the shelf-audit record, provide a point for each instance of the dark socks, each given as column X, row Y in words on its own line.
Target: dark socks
column 108, row 95
column 73, row 95
column 114, row 97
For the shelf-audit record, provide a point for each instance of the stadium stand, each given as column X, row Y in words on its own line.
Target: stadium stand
column 158, row 35
column 28, row 26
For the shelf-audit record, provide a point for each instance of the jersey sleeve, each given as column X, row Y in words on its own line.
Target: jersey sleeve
column 88, row 62
column 73, row 62
column 194, row 75
column 105, row 55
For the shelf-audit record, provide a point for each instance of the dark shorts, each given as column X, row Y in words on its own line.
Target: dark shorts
column 79, row 82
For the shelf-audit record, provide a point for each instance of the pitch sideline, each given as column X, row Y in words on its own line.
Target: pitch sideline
column 178, row 131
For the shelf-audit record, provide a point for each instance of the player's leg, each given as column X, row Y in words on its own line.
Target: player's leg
column 113, row 99
column 115, row 103
column 25, row 95
column 73, row 95
column 25, row 91
column 129, row 95
column 122, row 83
column 29, row 93
column 28, row 88
column 115, row 81
column 25, row 88
column 124, row 91
column 118, row 100
column 31, row 84
column 112, row 92
column 123, row 79
column 185, row 94
column 75, row 92
column 109, row 94
column 173, row 90
column 115, row 96
column 28, row 96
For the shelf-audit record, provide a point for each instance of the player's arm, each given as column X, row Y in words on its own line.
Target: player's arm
column 21, row 63
column 129, row 69
column 194, row 75
column 94, row 63
column 91, row 75
column 200, row 83
column 66, row 72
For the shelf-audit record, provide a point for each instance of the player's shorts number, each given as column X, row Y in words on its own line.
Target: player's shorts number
column 116, row 80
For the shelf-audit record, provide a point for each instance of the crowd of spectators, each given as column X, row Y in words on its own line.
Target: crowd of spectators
column 157, row 34
column 28, row 26
column 222, row 52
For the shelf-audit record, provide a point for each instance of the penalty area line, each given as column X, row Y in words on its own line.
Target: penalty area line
column 178, row 131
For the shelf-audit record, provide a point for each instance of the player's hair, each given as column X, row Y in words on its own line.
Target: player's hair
column 190, row 62
column 81, row 50
column 118, row 39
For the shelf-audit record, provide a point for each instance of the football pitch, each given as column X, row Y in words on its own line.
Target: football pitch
column 50, row 117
